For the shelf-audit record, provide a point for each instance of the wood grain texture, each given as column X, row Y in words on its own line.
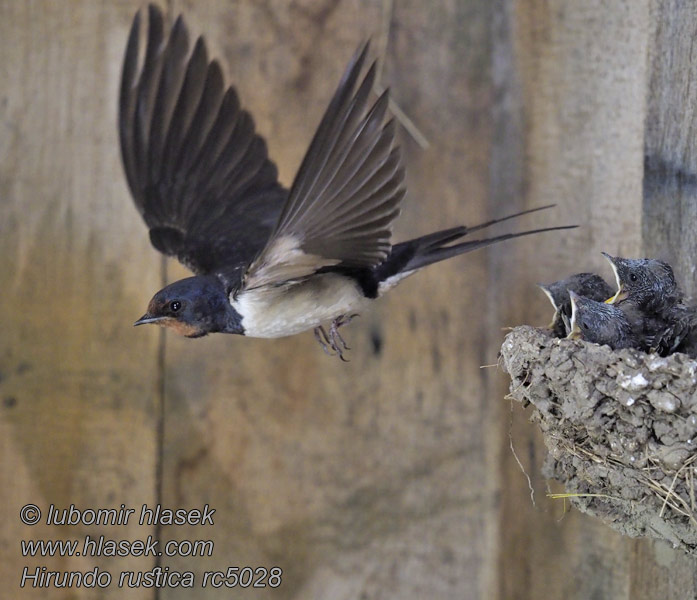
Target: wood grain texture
column 669, row 226
column 670, row 173
column 659, row 571
column 78, row 388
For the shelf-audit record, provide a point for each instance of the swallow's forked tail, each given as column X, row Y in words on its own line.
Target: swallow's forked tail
column 423, row 251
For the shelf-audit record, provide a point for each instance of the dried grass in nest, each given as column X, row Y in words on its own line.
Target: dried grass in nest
column 620, row 427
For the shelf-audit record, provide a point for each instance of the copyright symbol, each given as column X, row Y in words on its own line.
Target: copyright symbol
column 30, row 514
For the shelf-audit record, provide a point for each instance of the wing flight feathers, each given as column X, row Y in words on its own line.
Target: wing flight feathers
column 198, row 172
column 346, row 194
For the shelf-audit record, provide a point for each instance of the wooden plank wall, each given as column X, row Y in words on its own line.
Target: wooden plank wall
column 387, row 477
column 79, row 389
column 669, row 227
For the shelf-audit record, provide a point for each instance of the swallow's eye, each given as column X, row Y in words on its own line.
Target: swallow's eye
column 175, row 305
column 633, row 277
column 584, row 324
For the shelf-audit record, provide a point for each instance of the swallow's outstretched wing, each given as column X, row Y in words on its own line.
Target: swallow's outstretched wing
column 345, row 195
column 199, row 174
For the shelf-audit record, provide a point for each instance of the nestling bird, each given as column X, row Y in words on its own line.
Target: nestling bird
column 646, row 282
column 652, row 301
column 588, row 285
column 678, row 331
column 600, row 323
column 269, row 261
column 684, row 333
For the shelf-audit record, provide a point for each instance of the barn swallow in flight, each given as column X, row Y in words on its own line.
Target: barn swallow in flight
column 269, row 261
column 600, row 323
column 588, row 285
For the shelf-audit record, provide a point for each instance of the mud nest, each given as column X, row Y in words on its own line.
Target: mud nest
column 620, row 427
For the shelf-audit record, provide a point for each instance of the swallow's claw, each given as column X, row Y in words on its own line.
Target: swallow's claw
column 337, row 340
column 324, row 341
column 332, row 343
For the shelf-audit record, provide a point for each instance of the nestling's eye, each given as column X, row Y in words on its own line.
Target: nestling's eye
column 175, row 305
column 633, row 277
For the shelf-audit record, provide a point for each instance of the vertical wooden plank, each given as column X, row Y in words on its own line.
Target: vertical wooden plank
column 659, row 571
column 366, row 479
column 670, row 180
column 78, row 387
column 577, row 73
column 670, row 225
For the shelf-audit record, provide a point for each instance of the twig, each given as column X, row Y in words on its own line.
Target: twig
column 670, row 492
column 515, row 455
column 573, row 495
column 407, row 123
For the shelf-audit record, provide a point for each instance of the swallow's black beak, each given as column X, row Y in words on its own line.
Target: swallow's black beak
column 147, row 318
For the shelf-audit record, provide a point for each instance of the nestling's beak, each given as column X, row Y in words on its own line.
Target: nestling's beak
column 147, row 318
column 621, row 294
column 618, row 297
column 575, row 333
column 556, row 310
column 545, row 289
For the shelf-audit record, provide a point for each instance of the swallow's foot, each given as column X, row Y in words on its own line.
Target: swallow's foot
column 338, row 343
column 323, row 339
column 332, row 343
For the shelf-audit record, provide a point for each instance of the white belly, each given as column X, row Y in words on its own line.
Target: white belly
column 271, row 312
